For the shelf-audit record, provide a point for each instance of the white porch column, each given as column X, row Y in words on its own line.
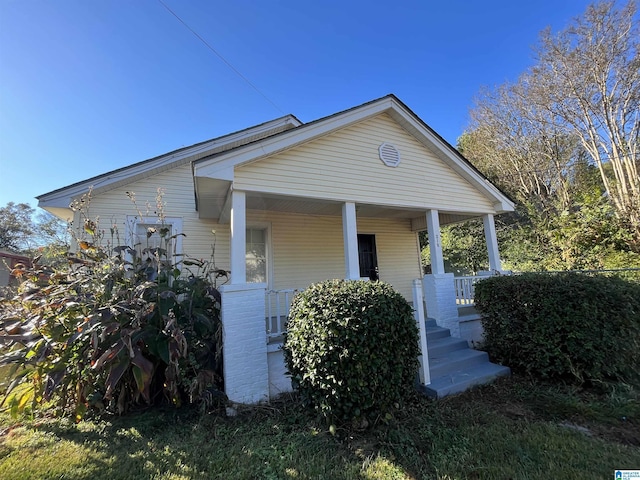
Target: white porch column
column 439, row 287
column 492, row 242
column 246, row 368
column 238, row 238
column 350, row 234
column 246, row 371
column 435, row 242
column 418, row 306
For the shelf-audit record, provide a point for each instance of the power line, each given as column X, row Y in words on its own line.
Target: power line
column 220, row 56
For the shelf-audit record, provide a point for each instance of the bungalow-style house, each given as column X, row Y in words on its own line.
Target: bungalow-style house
column 291, row 204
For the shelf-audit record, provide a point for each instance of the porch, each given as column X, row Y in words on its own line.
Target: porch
column 450, row 365
column 278, row 303
column 268, row 268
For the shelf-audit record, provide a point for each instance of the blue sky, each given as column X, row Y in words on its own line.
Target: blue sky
column 90, row 86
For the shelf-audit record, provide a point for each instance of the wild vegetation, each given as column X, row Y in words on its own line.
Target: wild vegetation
column 563, row 142
column 124, row 325
column 351, row 348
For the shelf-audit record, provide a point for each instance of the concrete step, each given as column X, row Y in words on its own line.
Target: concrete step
column 467, row 310
column 463, row 379
column 442, row 346
column 434, row 333
column 469, row 317
column 456, row 360
column 430, row 322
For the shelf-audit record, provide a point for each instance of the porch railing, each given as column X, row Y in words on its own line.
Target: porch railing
column 277, row 304
column 465, row 289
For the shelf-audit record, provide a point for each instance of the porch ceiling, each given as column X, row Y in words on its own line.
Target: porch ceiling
column 309, row 206
column 211, row 195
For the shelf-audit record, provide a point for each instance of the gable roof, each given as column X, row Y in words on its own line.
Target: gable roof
column 221, row 166
column 214, row 160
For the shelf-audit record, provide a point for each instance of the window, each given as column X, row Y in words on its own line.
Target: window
column 153, row 241
column 256, row 256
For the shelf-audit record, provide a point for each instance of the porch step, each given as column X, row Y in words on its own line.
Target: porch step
column 470, row 317
column 454, row 367
column 434, row 333
column 442, row 346
column 461, row 380
column 467, row 310
column 456, row 360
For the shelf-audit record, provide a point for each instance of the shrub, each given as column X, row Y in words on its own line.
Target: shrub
column 113, row 330
column 562, row 326
column 351, row 348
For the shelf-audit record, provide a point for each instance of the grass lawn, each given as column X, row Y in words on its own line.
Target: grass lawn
column 512, row 429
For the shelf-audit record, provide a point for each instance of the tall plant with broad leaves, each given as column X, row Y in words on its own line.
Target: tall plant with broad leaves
column 123, row 325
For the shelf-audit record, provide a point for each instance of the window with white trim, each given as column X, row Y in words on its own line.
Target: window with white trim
column 256, row 256
column 154, row 241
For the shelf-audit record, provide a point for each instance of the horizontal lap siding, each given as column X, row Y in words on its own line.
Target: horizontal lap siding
column 345, row 166
column 305, row 248
column 113, row 207
column 308, row 249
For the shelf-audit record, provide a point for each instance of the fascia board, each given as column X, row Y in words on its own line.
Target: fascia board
column 426, row 137
column 63, row 196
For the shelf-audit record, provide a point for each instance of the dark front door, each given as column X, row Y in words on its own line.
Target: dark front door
column 368, row 256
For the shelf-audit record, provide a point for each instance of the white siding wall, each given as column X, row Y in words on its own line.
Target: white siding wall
column 398, row 258
column 307, row 249
column 113, row 207
column 345, row 166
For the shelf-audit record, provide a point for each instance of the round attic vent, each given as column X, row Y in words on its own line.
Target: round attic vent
column 389, row 155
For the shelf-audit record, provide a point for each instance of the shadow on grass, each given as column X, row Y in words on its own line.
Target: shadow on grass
column 258, row 443
column 512, row 429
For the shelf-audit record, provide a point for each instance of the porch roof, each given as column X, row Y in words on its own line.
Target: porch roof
column 214, row 175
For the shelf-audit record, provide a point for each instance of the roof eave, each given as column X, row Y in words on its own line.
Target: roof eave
column 62, row 197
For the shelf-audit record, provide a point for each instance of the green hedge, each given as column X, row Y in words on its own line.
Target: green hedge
column 568, row 325
column 351, row 348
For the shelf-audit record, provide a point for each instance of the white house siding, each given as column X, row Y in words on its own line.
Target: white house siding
column 345, row 166
column 308, row 248
column 304, row 248
column 113, row 207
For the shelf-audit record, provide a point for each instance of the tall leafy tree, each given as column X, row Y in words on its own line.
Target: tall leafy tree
column 563, row 141
column 515, row 143
column 22, row 230
column 588, row 78
column 16, row 226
